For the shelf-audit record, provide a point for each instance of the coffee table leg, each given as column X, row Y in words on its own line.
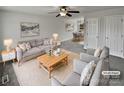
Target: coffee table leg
column 49, row 70
column 66, row 60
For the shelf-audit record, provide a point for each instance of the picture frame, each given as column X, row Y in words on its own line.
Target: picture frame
column 29, row 29
column 69, row 27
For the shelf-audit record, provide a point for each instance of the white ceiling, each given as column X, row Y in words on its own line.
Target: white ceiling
column 43, row 10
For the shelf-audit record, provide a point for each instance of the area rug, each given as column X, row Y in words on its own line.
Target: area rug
column 30, row 74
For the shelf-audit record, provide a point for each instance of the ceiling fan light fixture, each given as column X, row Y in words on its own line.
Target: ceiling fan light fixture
column 63, row 13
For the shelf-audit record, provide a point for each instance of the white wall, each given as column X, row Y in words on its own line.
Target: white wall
column 64, row 35
column 10, row 26
column 118, row 11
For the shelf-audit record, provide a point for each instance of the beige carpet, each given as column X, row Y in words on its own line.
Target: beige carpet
column 29, row 73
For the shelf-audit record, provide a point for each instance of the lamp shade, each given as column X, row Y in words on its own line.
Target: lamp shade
column 55, row 36
column 8, row 42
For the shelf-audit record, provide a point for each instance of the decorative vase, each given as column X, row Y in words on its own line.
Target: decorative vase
column 50, row 52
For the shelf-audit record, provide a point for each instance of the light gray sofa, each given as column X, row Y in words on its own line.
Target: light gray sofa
column 97, row 79
column 38, row 47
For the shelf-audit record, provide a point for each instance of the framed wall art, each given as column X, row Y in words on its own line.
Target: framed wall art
column 69, row 26
column 29, row 29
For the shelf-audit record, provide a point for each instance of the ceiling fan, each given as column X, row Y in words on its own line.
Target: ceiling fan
column 64, row 11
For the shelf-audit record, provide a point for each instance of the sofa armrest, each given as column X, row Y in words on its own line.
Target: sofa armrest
column 78, row 65
column 19, row 53
column 55, row 82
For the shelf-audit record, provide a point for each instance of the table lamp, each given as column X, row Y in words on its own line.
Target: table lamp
column 55, row 39
column 8, row 43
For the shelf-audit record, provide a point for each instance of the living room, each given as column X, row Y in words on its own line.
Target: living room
column 69, row 34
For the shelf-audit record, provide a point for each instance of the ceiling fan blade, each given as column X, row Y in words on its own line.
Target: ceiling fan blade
column 52, row 12
column 58, row 15
column 69, row 15
column 73, row 11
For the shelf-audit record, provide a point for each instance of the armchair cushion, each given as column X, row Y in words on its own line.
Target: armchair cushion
column 72, row 80
column 87, row 58
column 87, row 73
column 97, row 52
column 96, row 76
column 78, row 65
column 105, row 53
column 90, row 51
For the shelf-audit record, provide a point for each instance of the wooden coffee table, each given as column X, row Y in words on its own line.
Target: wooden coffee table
column 50, row 62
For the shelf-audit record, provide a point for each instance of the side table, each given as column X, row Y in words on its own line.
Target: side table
column 8, row 55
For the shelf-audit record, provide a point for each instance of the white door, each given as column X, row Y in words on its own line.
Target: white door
column 123, row 37
column 92, row 32
column 102, row 32
column 119, row 33
column 114, row 34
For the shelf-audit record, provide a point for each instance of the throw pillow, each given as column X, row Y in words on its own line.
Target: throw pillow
column 97, row 52
column 51, row 41
column 87, row 73
column 22, row 46
column 28, row 46
column 39, row 42
column 95, row 80
column 47, row 41
column 105, row 53
column 33, row 43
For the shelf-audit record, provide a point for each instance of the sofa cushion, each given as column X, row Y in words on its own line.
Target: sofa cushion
column 33, row 43
column 72, row 80
column 97, row 52
column 87, row 58
column 105, row 52
column 78, row 65
column 32, row 51
column 28, row 46
column 22, row 46
column 95, row 80
column 39, row 42
column 87, row 73
column 42, row 47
